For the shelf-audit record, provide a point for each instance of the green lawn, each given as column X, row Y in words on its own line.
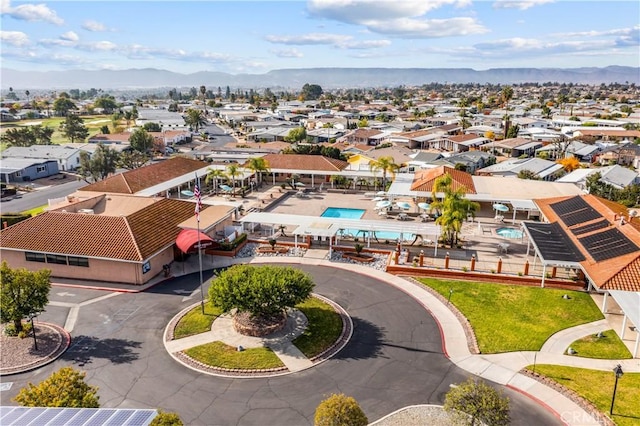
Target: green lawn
column 194, row 322
column 609, row 346
column 220, row 355
column 597, row 387
column 324, row 328
column 92, row 122
column 509, row 318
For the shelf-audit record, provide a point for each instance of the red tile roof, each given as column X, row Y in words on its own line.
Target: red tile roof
column 134, row 237
column 618, row 273
column 141, row 178
column 304, row 162
column 424, row 179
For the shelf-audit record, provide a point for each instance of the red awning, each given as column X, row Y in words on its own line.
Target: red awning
column 187, row 240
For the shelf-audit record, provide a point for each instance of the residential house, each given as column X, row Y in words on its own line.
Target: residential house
column 308, row 169
column 515, row 147
column 627, row 154
column 68, row 157
column 364, row 136
column 539, row 168
column 617, row 176
column 17, row 170
column 363, row 161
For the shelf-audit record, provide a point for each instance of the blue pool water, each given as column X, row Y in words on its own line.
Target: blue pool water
column 381, row 235
column 343, row 213
column 509, row 232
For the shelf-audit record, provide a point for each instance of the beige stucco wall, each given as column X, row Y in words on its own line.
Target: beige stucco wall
column 98, row 270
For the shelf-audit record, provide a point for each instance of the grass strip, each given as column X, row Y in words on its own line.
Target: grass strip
column 218, row 354
column 597, row 387
column 194, row 322
column 323, row 330
column 509, row 318
column 609, row 346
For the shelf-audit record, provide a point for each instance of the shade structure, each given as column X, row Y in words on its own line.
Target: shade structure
column 424, row 206
column 500, row 207
column 383, row 204
column 403, row 205
column 226, row 188
column 187, row 240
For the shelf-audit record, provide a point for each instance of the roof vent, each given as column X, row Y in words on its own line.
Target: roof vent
column 633, row 213
column 86, row 211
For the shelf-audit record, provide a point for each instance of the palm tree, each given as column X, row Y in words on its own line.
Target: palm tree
column 195, row 119
column 258, row 165
column 203, row 91
column 214, row 175
column 386, row 165
column 506, row 95
column 454, row 208
column 233, row 170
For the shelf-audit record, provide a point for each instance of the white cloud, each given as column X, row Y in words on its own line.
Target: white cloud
column 519, row 4
column 70, row 36
column 614, row 32
column 94, row 26
column 336, row 40
column 98, row 46
column 405, row 19
column 31, row 12
column 287, row 53
column 14, row 38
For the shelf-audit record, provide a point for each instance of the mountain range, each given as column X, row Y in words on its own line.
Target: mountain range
column 328, row 78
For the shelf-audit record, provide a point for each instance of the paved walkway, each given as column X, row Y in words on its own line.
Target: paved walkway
column 500, row 368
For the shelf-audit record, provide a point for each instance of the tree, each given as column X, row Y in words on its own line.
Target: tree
column 73, row 127
column 258, row 165
column 214, row 175
column 311, row 91
column 64, row 388
column 474, row 402
column 233, row 171
column 63, row 105
column 506, row 95
column 340, row 410
column 261, row 291
column 140, row 140
column 527, row 174
column 23, row 293
column 296, row 135
column 203, row 93
column 569, row 164
column 152, row 127
column 385, row 165
column 98, row 166
column 454, row 206
column 107, row 103
column 105, row 129
column 166, row 419
column 195, row 119
column 132, row 159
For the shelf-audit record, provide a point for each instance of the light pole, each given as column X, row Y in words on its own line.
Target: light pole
column 33, row 328
column 618, row 372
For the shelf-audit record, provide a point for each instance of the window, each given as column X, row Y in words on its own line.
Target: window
column 34, row 257
column 40, row 169
column 54, row 258
column 18, row 174
column 78, row 261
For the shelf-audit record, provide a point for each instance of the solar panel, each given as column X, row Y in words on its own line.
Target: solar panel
column 82, row 416
column 552, row 243
column 30, row 416
column 48, row 415
column 575, row 210
column 40, row 416
column 590, row 227
column 100, row 418
column 608, row 244
column 119, row 418
column 13, row 415
column 141, row 418
column 64, row 415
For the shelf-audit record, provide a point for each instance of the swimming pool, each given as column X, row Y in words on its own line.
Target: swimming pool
column 509, row 233
column 343, row 213
column 380, row 235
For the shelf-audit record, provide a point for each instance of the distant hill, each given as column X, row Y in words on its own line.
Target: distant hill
column 328, row 78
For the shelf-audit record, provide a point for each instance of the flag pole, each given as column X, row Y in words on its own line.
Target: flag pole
column 198, row 207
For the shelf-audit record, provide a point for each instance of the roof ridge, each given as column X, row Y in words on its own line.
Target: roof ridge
column 133, row 237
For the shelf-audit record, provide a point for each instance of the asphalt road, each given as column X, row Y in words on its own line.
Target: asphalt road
column 394, row 358
column 40, row 197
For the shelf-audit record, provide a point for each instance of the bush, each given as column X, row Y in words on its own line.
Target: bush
column 13, row 218
column 166, row 419
column 474, row 402
column 340, row 410
column 64, row 388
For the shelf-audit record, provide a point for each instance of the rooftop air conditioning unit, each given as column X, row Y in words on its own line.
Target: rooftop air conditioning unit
column 86, row 211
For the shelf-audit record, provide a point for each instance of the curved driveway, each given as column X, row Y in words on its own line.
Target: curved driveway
column 394, row 358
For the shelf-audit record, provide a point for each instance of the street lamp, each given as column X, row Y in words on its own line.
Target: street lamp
column 618, row 372
column 33, row 328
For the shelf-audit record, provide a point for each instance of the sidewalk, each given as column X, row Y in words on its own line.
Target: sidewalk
column 499, row 368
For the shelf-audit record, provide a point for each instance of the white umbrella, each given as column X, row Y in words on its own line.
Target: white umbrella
column 299, row 184
column 378, row 199
column 424, row 206
column 383, row 204
column 187, row 193
column 403, row 205
column 381, row 193
column 500, row 207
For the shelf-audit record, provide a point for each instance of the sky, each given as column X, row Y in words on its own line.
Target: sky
column 258, row 36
